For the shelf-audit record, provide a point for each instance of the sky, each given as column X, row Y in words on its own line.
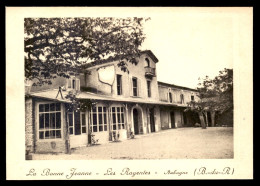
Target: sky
column 190, row 45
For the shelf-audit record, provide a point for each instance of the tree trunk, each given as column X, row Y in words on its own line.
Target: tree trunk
column 67, row 136
column 202, row 120
column 213, row 118
column 206, row 118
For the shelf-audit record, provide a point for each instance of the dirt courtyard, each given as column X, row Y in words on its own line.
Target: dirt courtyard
column 181, row 143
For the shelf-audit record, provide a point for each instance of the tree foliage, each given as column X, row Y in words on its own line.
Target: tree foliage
column 60, row 46
column 215, row 94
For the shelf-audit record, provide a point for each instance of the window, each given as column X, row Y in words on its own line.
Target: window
column 119, row 84
column 83, row 123
column 182, row 98
column 135, row 88
column 50, row 121
column 192, row 98
column 77, row 123
column 117, row 118
column 170, row 97
column 98, row 121
column 70, row 121
column 147, row 62
column 149, row 88
column 73, row 83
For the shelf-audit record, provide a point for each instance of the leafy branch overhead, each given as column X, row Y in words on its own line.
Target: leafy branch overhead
column 215, row 94
column 60, row 46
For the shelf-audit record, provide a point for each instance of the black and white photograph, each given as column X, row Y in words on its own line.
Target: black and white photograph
column 129, row 87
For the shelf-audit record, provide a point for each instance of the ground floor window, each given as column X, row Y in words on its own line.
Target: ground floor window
column 118, row 121
column 98, row 119
column 77, row 123
column 49, row 121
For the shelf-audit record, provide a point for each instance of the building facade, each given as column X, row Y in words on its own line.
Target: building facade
column 123, row 104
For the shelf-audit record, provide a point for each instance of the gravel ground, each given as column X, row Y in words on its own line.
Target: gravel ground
column 181, row 143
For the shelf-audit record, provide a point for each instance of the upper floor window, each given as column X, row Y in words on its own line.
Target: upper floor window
column 147, row 62
column 182, row 98
column 119, row 84
column 49, row 121
column 135, row 86
column 149, row 88
column 73, row 83
column 192, row 98
column 170, row 97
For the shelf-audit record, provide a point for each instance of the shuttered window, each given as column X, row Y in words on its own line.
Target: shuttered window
column 135, row 86
column 73, row 83
column 149, row 88
column 170, row 97
column 182, row 98
column 119, row 84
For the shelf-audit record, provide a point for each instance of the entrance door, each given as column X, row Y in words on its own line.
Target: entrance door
column 172, row 120
column 184, row 119
column 77, row 129
column 135, row 118
column 152, row 124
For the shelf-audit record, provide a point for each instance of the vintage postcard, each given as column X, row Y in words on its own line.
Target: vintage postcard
column 129, row 93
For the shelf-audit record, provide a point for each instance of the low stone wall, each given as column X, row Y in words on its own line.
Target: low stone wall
column 55, row 146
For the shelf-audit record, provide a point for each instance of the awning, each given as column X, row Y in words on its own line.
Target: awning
column 51, row 95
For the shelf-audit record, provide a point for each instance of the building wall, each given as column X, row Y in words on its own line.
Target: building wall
column 176, row 92
column 92, row 82
column 94, row 85
column 29, row 134
column 50, row 145
column 138, row 71
column 165, row 120
column 157, row 119
column 178, row 118
column 59, row 81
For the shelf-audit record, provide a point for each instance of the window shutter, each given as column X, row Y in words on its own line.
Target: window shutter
column 69, row 83
column 139, row 91
column 77, row 84
column 131, row 86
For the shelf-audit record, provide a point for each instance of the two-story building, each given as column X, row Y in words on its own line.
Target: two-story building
column 173, row 116
column 122, row 104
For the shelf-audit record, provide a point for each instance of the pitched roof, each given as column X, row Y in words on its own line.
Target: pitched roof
column 151, row 54
column 111, row 59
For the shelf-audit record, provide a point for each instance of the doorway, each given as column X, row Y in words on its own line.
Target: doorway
column 77, row 129
column 135, row 118
column 172, row 119
column 152, row 124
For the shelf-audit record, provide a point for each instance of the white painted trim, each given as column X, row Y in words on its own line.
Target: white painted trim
column 107, row 115
column 37, row 123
